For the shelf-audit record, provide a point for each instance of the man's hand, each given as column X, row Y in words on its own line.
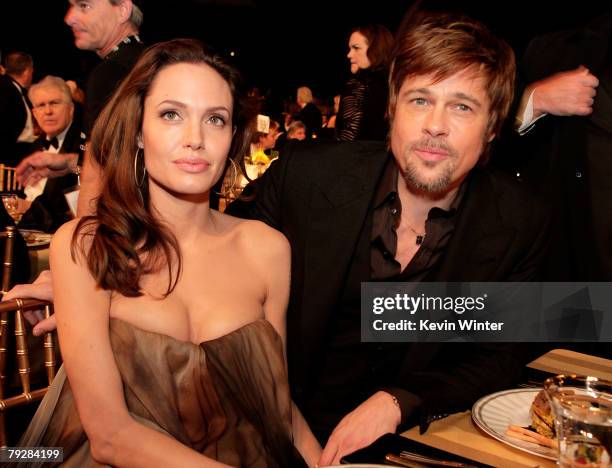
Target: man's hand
column 42, row 164
column 42, row 289
column 376, row 416
column 564, row 94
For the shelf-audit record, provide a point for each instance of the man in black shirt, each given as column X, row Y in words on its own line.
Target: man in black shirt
column 424, row 211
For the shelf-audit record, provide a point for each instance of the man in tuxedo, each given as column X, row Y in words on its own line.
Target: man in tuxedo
column 16, row 129
column 62, row 137
column 422, row 209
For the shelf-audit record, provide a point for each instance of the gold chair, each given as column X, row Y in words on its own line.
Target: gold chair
column 7, row 269
column 18, row 307
column 8, row 179
column 27, row 395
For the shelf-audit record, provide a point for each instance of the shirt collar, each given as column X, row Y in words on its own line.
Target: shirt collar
column 387, row 187
column 61, row 137
column 125, row 40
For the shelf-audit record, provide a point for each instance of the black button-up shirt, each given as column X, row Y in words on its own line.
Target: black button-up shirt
column 387, row 212
column 386, row 216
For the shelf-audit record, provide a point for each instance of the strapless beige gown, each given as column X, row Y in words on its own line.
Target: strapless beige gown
column 227, row 398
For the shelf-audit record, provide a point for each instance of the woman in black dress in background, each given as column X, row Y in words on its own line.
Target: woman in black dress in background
column 364, row 101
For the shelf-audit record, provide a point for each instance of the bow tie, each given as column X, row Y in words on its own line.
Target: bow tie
column 52, row 142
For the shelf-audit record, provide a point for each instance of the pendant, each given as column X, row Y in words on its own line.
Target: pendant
column 419, row 239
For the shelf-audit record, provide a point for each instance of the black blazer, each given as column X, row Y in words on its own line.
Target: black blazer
column 568, row 158
column 12, row 118
column 310, row 115
column 318, row 195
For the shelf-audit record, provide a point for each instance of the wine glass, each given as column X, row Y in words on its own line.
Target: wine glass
column 11, row 203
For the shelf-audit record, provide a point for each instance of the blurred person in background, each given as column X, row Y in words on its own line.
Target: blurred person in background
column 328, row 132
column 16, row 124
column 295, row 131
column 363, row 105
column 309, row 113
column 53, row 110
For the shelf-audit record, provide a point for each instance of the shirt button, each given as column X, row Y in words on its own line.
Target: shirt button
column 386, row 254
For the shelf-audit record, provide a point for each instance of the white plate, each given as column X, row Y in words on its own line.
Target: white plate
column 495, row 412
column 35, row 238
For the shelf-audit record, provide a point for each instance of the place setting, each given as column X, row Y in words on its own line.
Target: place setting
column 569, row 420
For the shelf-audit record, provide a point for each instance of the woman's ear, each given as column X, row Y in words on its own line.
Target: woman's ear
column 139, row 141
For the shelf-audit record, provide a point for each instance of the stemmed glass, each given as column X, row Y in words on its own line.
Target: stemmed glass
column 11, row 203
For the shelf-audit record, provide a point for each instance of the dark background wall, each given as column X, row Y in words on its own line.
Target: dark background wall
column 278, row 45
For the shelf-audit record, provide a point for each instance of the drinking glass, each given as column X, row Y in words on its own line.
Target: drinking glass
column 11, row 203
column 582, row 409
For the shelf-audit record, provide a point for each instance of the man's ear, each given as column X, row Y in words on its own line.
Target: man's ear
column 491, row 136
column 125, row 10
column 490, row 131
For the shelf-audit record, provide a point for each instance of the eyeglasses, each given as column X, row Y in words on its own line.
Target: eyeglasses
column 52, row 104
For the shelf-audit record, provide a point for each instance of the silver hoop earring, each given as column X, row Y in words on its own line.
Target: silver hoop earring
column 144, row 170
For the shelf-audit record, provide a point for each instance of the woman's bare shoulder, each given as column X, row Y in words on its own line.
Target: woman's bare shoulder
column 256, row 236
column 62, row 239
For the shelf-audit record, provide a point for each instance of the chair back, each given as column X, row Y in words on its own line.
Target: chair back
column 12, row 312
column 16, row 308
column 8, row 179
column 9, row 249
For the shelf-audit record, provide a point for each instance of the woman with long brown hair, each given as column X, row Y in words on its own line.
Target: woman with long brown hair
column 171, row 315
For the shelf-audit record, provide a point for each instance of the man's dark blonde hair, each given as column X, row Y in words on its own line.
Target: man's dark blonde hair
column 136, row 17
column 442, row 44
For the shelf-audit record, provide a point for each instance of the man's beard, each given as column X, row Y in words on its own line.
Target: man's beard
column 442, row 180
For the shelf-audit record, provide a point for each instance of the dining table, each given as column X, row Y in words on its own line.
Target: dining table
column 458, row 434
